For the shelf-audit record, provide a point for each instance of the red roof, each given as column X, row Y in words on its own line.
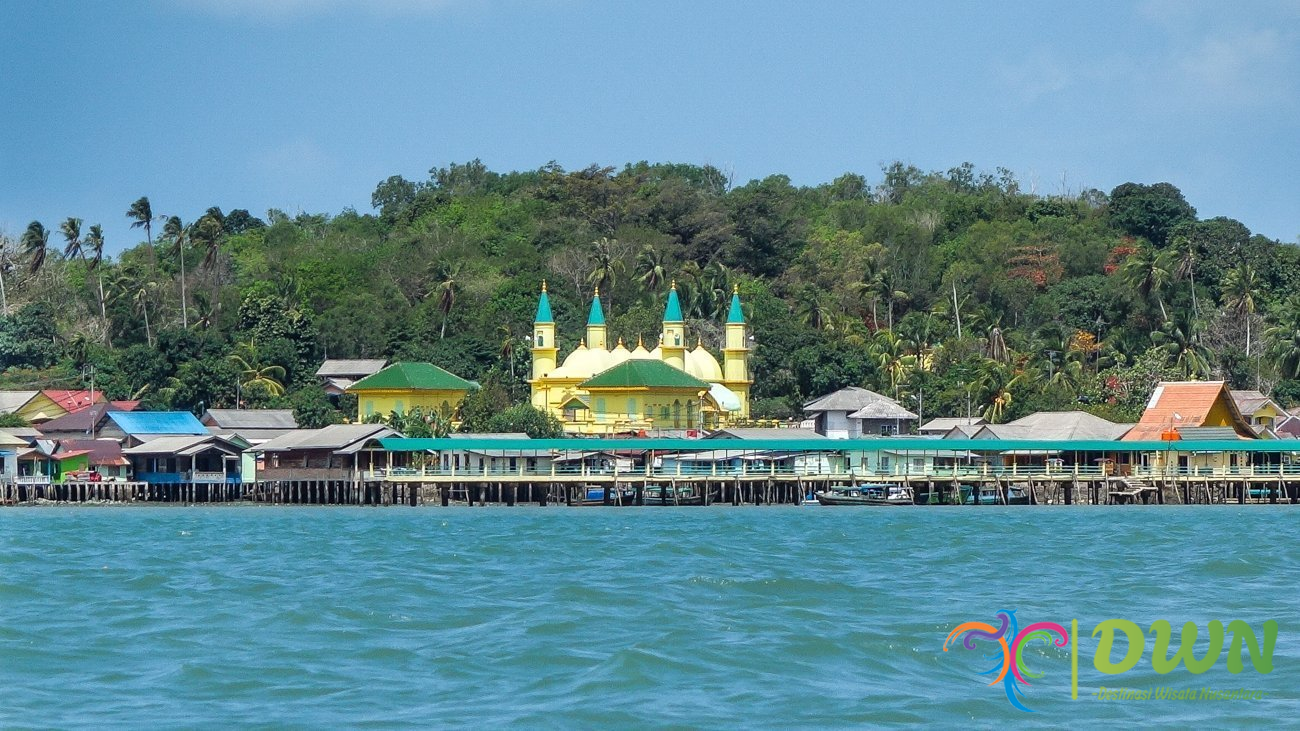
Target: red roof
column 126, row 405
column 73, row 401
column 1183, row 404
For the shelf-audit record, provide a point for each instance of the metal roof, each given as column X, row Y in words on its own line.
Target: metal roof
column 250, row 418
column 845, row 399
column 13, row 400
column 184, row 446
column 359, row 368
column 158, row 422
column 345, row 438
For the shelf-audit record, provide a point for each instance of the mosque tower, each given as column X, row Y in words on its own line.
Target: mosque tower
column 544, row 351
column 735, row 354
column 674, row 335
column 596, row 333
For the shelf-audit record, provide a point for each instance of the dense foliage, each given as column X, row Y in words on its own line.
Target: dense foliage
column 954, row 291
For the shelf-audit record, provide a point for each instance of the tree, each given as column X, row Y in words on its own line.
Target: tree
column 653, row 269
column 176, row 232
column 1240, row 288
column 35, row 243
column 1149, row 211
column 526, row 418
column 71, row 230
column 141, row 215
column 448, row 286
column 255, row 372
column 1284, row 338
column 1184, row 264
column 1147, row 273
column 1179, row 341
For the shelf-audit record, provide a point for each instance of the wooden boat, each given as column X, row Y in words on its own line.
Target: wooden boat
column 988, row 495
column 661, row 495
column 595, row 495
column 866, row 495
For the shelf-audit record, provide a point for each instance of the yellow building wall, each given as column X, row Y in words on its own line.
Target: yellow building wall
column 40, row 409
column 621, row 410
column 1266, row 415
column 383, row 402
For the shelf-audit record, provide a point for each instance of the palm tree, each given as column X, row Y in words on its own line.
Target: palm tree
column 606, row 264
column 1239, row 290
column 209, row 231
column 448, row 277
column 71, row 229
column 651, row 263
column 893, row 356
column 1183, row 251
column 1181, row 344
column 1147, row 273
column 176, row 232
column 141, row 215
column 813, row 310
column 95, row 242
column 254, row 372
column 142, row 293
column 999, row 381
column 1284, row 338
column 6, row 265
column 35, row 242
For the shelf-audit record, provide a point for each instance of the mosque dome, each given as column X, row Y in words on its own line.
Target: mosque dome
column 701, row 364
column 640, row 353
column 619, row 354
column 583, row 362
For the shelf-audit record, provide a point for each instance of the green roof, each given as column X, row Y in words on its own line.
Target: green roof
column 673, row 312
column 901, row 445
column 413, row 377
column 544, row 308
column 643, row 373
column 597, row 316
column 734, row 315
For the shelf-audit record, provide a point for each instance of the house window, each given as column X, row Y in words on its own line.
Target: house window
column 370, row 407
column 886, row 430
column 541, row 341
column 600, row 406
column 399, row 407
column 631, row 409
column 677, row 414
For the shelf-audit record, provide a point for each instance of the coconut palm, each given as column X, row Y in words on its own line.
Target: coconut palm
column 446, row 290
column 1183, row 252
column 999, row 382
column 1147, row 273
column 209, row 232
column 893, row 356
column 176, row 232
column 607, row 265
column 1284, row 338
column 254, row 372
column 652, row 267
column 35, row 243
column 71, row 230
column 141, row 293
column 1181, row 344
column 1240, row 287
column 95, row 242
column 141, row 215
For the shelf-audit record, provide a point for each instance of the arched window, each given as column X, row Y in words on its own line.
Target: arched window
column 631, row 409
column 541, row 340
column 677, row 414
column 690, row 415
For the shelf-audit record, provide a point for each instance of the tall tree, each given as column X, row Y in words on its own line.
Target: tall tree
column 95, row 242
column 1147, row 273
column 71, row 230
column 141, row 215
column 35, row 243
column 176, row 232
column 1240, row 288
column 448, row 286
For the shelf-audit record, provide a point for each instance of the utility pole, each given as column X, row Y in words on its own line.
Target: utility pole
column 92, row 402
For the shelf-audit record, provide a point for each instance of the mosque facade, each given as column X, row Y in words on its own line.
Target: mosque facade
column 599, row 390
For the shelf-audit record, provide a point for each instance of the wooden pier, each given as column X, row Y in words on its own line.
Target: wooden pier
column 624, row 490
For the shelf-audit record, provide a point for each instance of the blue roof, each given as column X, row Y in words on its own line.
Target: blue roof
column 597, row 316
column 734, row 315
column 673, row 312
column 158, row 422
column 544, row 307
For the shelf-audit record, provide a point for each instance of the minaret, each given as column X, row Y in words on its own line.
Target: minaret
column 544, row 350
column 674, row 337
column 596, row 324
column 735, row 354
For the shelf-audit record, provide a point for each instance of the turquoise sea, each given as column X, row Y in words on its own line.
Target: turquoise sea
column 752, row 617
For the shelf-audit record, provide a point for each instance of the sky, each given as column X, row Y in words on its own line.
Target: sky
column 305, row 105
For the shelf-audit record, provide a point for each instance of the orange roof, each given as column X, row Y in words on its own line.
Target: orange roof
column 126, row 405
column 73, row 401
column 1182, row 404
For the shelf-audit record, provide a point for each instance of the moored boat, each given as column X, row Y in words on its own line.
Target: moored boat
column 595, row 495
column 661, row 495
column 866, row 495
column 988, row 495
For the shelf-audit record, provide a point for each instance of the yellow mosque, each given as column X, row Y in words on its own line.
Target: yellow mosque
column 602, row 390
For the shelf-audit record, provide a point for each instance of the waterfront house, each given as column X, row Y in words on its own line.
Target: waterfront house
column 190, row 458
column 103, row 456
column 254, row 426
column 337, row 376
column 478, row 460
column 1181, row 410
column 139, row 427
column 944, row 425
column 335, row 452
column 9, row 448
column 402, row 387
column 91, row 423
column 42, row 406
column 1064, row 426
column 853, row 412
column 1260, row 411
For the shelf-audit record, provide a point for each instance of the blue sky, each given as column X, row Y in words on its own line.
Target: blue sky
column 307, row 105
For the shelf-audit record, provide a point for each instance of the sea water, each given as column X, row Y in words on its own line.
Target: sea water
column 751, row 617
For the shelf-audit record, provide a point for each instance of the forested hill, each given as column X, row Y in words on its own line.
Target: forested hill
column 949, row 288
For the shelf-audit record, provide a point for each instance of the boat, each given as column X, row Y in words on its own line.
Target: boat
column 988, row 495
column 810, row 499
column 866, row 495
column 595, row 495
column 661, row 495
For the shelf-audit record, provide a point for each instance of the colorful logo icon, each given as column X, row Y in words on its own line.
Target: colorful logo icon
column 1010, row 668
